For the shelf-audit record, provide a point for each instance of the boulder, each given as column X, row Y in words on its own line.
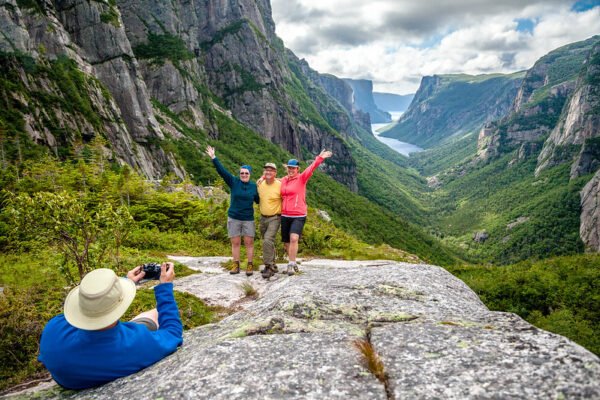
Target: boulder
column 324, row 215
column 434, row 337
column 480, row 237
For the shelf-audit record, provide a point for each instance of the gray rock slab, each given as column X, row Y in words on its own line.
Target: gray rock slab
column 504, row 359
column 435, row 337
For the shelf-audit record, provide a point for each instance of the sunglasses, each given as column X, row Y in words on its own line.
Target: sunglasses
column 244, row 173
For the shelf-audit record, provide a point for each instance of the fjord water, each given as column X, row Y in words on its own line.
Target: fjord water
column 401, row 147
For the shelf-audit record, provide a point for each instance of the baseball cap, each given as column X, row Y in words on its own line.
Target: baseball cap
column 293, row 163
column 270, row 165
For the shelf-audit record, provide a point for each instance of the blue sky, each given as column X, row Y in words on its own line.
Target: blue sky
column 396, row 42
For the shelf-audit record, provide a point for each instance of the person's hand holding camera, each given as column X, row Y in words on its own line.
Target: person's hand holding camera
column 136, row 274
column 167, row 272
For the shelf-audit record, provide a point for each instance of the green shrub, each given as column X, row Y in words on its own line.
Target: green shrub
column 163, row 47
column 557, row 294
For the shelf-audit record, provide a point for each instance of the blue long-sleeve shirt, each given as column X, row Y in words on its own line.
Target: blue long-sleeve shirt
column 243, row 194
column 79, row 359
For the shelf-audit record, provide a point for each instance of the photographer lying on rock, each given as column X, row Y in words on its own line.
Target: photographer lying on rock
column 88, row 346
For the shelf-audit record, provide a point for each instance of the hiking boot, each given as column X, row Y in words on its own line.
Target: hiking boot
column 249, row 268
column 236, row 268
column 267, row 272
column 290, row 270
column 274, row 268
column 296, row 270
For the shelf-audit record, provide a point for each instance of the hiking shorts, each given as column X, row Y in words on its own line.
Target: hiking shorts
column 291, row 225
column 236, row 228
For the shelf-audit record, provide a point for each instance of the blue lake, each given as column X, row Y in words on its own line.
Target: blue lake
column 401, row 147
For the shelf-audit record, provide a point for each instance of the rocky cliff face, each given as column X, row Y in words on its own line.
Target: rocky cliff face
column 537, row 106
column 577, row 130
column 47, row 31
column 589, row 229
column 299, row 340
column 363, row 100
column 392, row 102
column 447, row 105
column 189, row 58
column 342, row 120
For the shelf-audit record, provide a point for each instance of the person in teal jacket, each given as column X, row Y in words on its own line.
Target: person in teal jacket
column 88, row 346
column 240, row 216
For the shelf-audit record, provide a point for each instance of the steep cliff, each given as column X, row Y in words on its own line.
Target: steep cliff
column 537, row 106
column 229, row 50
column 69, row 75
column 341, row 91
column 447, row 105
column 192, row 59
column 589, row 229
column 577, row 132
column 363, row 100
column 392, row 102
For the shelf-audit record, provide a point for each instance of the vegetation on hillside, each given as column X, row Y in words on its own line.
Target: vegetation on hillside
column 452, row 153
column 492, row 197
column 559, row 294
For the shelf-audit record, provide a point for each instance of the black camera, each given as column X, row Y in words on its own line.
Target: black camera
column 152, row 270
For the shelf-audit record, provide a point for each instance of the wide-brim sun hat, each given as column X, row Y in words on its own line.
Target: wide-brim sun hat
column 101, row 299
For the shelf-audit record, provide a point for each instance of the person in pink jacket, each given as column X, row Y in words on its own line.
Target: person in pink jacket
column 294, row 209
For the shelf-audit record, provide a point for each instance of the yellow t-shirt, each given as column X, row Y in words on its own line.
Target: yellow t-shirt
column 270, row 197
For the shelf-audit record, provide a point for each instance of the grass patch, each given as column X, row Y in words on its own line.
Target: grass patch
column 249, row 290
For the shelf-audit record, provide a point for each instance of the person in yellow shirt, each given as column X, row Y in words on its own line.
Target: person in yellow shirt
column 269, row 192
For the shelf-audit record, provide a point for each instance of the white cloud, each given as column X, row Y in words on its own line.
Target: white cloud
column 396, row 42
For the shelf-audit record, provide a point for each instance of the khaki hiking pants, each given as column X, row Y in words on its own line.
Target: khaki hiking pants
column 269, row 226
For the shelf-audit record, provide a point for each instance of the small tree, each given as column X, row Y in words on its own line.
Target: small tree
column 83, row 234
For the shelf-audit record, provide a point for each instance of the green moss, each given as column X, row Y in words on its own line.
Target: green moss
column 218, row 37
column 163, row 47
column 111, row 17
column 391, row 317
column 35, row 6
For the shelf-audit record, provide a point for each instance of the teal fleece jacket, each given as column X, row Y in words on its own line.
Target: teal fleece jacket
column 243, row 194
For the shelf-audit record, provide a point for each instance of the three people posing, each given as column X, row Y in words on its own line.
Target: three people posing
column 281, row 202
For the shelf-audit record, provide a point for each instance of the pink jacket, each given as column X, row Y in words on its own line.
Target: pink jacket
column 293, row 191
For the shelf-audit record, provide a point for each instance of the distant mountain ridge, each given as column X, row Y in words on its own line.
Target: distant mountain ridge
column 392, row 102
column 447, row 105
column 363, row 98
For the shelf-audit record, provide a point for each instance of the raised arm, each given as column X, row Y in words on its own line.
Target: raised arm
column 307, row 173
column 169, row 335
column 226, row 175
